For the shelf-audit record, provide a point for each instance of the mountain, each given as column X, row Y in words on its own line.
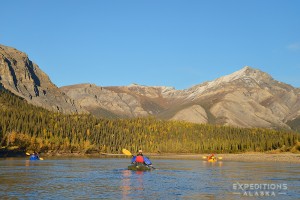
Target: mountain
column 123, row 101
column 24, row 78
column 246, row 98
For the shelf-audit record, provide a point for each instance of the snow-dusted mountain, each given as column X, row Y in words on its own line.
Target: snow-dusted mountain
column 246, row 98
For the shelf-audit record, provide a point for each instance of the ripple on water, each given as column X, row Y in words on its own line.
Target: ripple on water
column 110, row 179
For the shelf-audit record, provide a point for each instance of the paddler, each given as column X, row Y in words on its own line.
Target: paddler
column 140, row 158
column 212, row 156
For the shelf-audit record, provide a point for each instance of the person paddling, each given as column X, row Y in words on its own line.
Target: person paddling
column 212, row 156
column 34, row 156
column 141, row 159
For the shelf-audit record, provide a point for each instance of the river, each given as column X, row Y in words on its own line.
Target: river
column 108, row 178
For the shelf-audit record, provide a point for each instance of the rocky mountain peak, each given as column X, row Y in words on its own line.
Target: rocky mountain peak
column 21, row 76
column 255, row 74
column 245, row 74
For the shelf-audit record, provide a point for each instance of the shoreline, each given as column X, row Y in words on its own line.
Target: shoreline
column 245, row 157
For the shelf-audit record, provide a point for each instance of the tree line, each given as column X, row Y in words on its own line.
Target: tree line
column 34, row 128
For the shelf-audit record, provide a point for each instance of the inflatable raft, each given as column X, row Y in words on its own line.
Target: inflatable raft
column 139, row 167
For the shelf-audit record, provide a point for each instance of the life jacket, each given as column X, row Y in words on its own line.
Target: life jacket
column 139, row 159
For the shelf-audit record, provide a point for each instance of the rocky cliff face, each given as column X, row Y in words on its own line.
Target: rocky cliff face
column 124, row 101
column 25, row 79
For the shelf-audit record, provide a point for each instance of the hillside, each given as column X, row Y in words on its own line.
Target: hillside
column 246, row 98
column 34, row 128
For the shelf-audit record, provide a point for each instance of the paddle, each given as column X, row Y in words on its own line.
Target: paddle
column 28, row 154
column 126, row 152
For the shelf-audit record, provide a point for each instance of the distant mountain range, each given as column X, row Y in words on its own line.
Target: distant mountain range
column 246, row 98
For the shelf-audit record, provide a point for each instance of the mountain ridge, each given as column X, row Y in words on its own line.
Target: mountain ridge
column 245, row 98
column 226, row 100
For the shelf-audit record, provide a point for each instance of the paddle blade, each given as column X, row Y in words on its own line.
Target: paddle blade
column 204, row 157
column 126, row 152
column 28, row 154
column 41, row 158
column 220, row 158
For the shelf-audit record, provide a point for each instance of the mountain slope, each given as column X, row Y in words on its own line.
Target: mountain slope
column 246, row 98
column 24, row 78
column 131, row 101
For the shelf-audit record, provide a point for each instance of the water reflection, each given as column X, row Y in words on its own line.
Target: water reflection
column 132, row 182
column 27, row 163
column 217, row 163
column 125, row 186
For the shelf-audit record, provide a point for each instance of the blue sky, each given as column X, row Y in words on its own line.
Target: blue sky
column 166, row 42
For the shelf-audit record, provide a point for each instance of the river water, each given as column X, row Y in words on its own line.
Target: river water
column 103, row 178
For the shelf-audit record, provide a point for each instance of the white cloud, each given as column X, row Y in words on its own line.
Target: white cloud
column 294, row 47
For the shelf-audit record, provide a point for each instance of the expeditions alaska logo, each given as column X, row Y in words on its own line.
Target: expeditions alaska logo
column 259, row 189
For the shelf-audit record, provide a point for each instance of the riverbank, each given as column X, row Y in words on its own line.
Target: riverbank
column 247, row 157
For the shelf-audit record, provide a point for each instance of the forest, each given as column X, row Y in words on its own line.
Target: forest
column 32, row 128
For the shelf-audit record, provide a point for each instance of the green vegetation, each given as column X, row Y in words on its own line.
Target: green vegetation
column 34, row 128
column 295, row 124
